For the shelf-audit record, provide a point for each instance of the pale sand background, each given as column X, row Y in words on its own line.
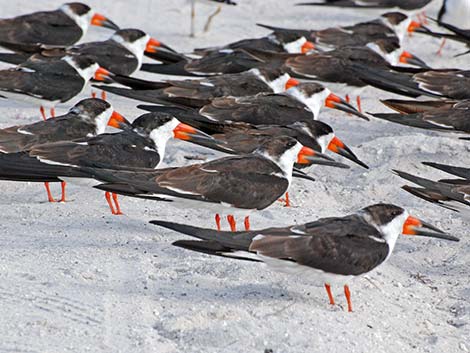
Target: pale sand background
column 73, row 278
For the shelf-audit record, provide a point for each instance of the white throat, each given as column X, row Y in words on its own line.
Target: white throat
column 278, row 85
column 137, row 47
column 86, row 73
column 392, row 58
column 161, row 135
column 325, row 140
column 314, row 103
column 392, row 230
column 82, row 21
column 102, row 120
column 295, row 47
column 286, row 161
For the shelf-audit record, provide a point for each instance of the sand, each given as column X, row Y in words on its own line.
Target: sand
column 74, row 278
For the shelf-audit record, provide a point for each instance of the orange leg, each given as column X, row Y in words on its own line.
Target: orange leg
column 231, row 221
column 53, row 112
column 49, row 194
column 103, row 95
column 247, row 223
column 359, row 105
column 43, row 112
column 286, row 200
column 63, row 184
column 93, row 94
column 116, row 203
column 107, row 195
column 347, row 293
column 330, row 295
column 443, row 43
column 347, row 98
column 217, row 222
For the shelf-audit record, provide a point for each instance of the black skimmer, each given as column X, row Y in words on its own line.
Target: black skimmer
column 445, row 117
column 238, row 184
column 215, row 63
column 62, row 27
column 390, row 25
column 140, row 145
column 334, row 249
column 197, row 93
column 121, row 54
column 388, row 53
column 299, row 103
column 280, row 42
column 88, row 117
column 339, row 68
column 403, row 5
column 48, row 82
column 244, row 138
column 453, row 194
column 219, row 4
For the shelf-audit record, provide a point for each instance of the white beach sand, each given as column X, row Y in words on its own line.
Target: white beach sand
column 74, row 278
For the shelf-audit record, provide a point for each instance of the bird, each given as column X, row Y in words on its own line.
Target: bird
column 342, row 69
column 390, row 25
column 299, row 103
column 62, row 27
column 245, row 138
column 233, row 185
column 281, row 42
column 141, row 144
column 121, row 54
column 452, row 194
column 333, row 250
column 219, row 4
column 443, row 116
column 402, row 5
column 89, row 117
column 48, row 82
column 199, row 92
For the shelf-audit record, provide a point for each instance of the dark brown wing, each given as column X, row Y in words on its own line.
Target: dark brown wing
column 249, row 182
column 24, row 137
column 346, row 246
column 262, row 109
column 108, row 54
column 455, row 119
column 452, row 84
column 40, row 84
column 323, row 67
column 51, row 28
column 116, row 151
column 224, row 62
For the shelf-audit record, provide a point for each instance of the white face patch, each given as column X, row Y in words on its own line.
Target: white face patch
column 295, row 47
column 102, row 120
column 86, row 73
column 325, row 140
column 286, row 160
column 392, row 58
column 314, row 103
column 279, row 84
column 82, row 21
column 137, row 47
column 161, row 135
column 392, row 230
